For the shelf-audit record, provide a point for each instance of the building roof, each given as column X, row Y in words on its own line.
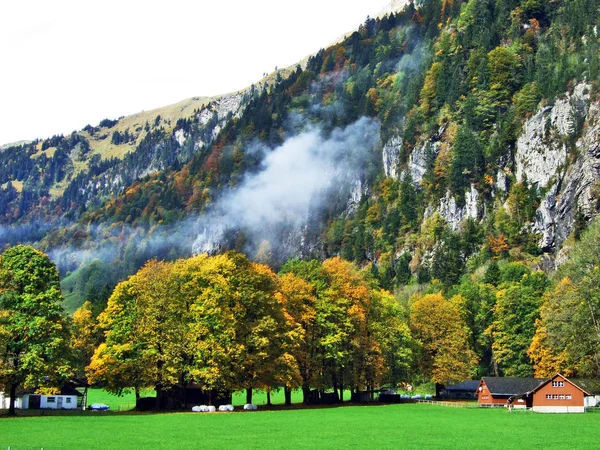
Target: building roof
column 511, row 386
column 589, row 386
column 467, row 385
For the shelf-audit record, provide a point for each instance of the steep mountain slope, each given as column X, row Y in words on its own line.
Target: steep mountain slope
column 426, row 143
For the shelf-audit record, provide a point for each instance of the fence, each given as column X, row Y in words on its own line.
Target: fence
column 24, row 448
column 448, row 404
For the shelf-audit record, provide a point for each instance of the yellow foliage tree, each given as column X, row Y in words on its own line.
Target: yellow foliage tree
column 443, row 336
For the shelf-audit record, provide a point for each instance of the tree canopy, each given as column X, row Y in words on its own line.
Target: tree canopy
column 33, row 330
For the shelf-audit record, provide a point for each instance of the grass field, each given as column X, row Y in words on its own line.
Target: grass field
column 379, row 427
column 127, row 401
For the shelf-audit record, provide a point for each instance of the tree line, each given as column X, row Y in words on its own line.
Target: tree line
column 225, row 323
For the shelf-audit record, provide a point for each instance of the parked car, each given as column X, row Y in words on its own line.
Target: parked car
column 98, row 407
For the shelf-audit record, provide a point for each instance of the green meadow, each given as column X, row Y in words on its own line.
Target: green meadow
column 126, row 401
column 406, row 426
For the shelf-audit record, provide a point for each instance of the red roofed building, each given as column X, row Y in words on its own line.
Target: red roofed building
column 553, row 395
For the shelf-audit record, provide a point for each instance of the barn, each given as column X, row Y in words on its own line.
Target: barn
column 466, row 390
column 555, row 394
column 496, row 391
column 561, row 395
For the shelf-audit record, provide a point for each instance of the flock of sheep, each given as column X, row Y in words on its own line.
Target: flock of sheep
column 222, row 408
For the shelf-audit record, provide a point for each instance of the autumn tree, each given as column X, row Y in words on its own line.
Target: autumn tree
column 33, row 331
column 86, row 336
column 389, row 328
column 241, row 337
column 551, row 354
column 204, row 281
column 568, row 333
column 261, row 329
column 145, row 325
column 299, row 300
column 353, row 357
column 443, row 337
column 515, row 313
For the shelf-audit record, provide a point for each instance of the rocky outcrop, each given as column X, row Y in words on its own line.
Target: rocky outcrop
column 541, row 149
column 358, row 190
column 180, row 137
column 574, row 189
column 417, row 161
column 214, row 117
column 391, row 157
column 454, row 214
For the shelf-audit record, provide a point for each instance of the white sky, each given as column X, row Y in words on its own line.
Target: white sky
column 65, row 63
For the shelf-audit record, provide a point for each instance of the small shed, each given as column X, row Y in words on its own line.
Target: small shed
column 36, row 401
column 73, row 395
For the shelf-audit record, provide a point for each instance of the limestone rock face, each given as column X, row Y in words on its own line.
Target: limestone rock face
column 541, row 148
column 574, row 189
column 417, row 161
column 391, row 157
column 214, row 116
column 454, row 214
column 180, row 137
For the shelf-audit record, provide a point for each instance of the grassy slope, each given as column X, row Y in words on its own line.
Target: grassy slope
column 169, row 115
column 397, row 426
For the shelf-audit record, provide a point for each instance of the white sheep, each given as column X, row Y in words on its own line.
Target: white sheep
column 250, row 407
column 211, row 409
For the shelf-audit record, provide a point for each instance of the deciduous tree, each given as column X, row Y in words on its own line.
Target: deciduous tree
column 33, row 332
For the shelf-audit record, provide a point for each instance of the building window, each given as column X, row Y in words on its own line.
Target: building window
column 68, row 400
column 558, row 384
column 554, row 396
column 568, row 396
column 561, row 396
column 51, row 400
column 548, row 396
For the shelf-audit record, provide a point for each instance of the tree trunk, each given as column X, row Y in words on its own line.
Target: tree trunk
column 137, row 393
column 158, row 389
column 287, row 393
column 13, row 398
column 268, row 397
column 306, row 394
column 438, row 390
column 249, row 395
column 341, row 397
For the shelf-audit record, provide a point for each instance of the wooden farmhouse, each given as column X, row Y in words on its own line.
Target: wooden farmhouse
column 495, row 391
column 554, row 395
column 560, row 395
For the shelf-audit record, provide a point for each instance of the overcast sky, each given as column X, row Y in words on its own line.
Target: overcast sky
column 65, row 63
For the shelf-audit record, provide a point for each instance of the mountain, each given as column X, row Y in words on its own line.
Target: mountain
column 427, row 143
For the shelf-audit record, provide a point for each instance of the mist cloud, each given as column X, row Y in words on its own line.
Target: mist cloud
column 296, row 180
